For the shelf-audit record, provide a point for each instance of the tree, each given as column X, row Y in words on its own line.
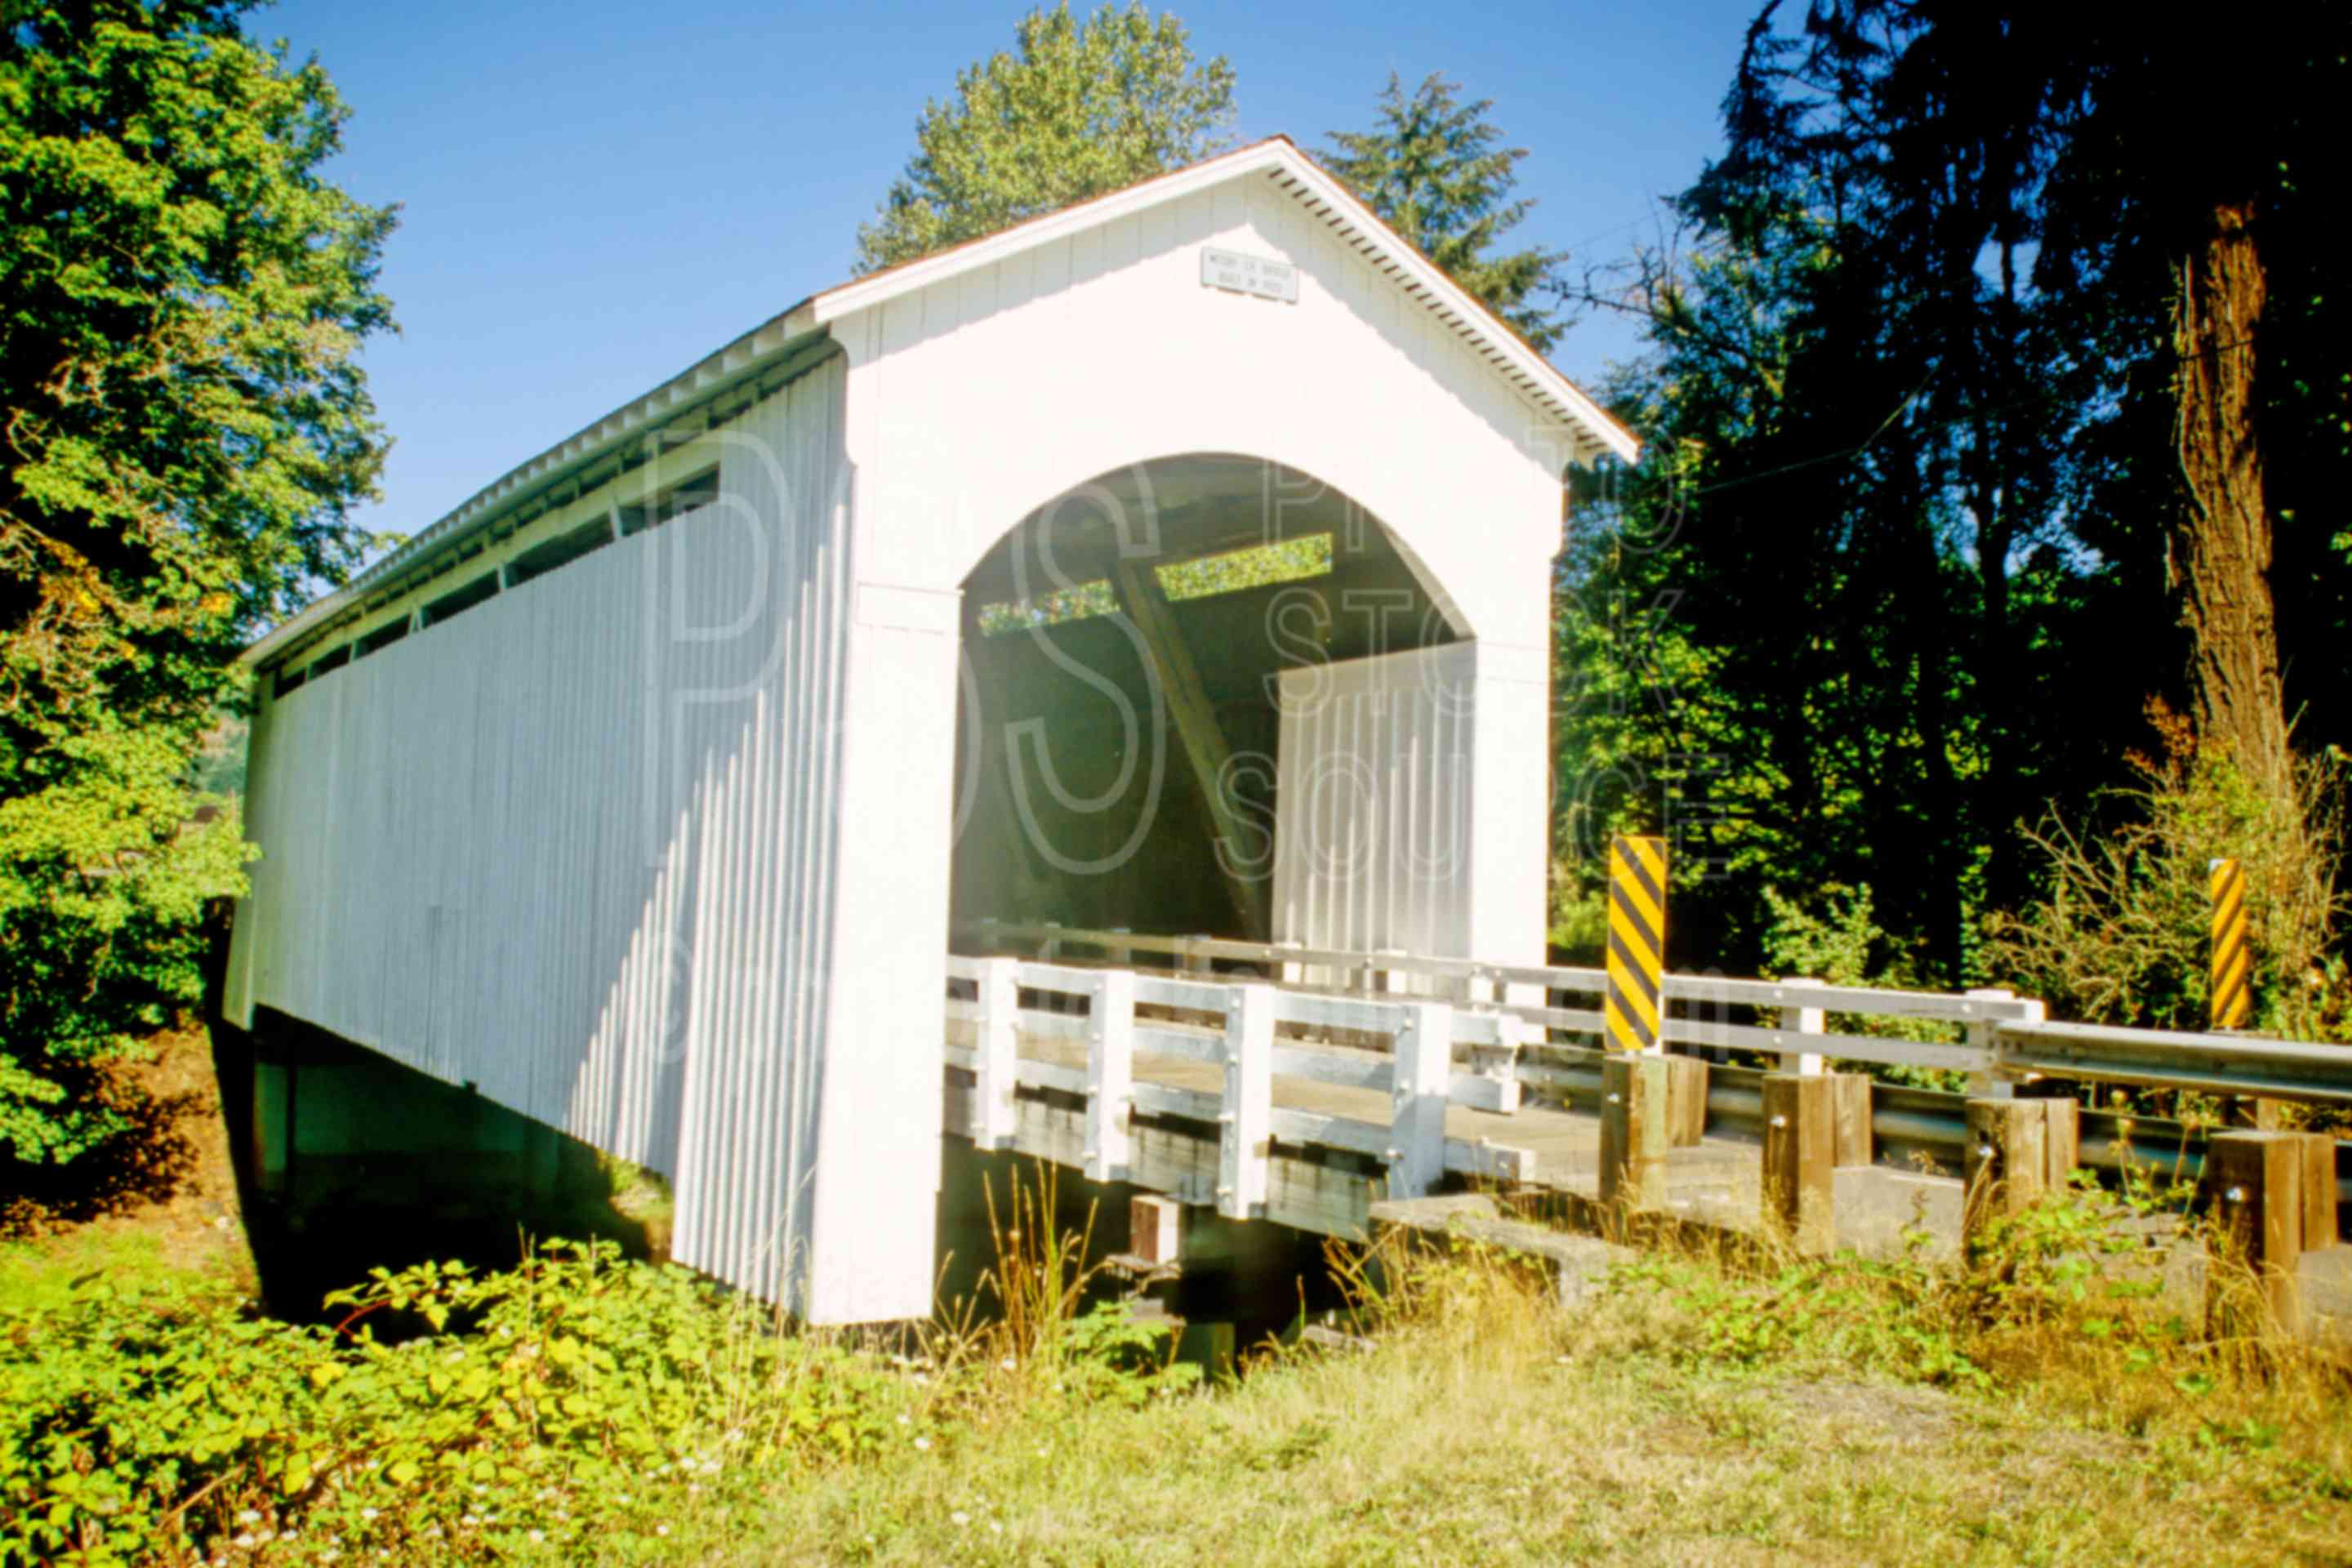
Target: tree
column 1434, row 169
column 184, row 430
column 1080, row 110
column 1952, row 469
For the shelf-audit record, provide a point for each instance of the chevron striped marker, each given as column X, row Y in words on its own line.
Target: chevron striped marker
column 2232, row 991
column 1633, row 1009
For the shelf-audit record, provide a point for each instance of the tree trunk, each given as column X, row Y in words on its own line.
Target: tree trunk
column 2222, row 555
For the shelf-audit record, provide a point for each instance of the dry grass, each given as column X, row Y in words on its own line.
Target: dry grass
column 1490, row 1425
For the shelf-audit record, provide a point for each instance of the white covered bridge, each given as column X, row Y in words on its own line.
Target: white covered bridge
column 1177, row 562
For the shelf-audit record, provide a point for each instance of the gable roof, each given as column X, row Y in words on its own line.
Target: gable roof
column 796, row 336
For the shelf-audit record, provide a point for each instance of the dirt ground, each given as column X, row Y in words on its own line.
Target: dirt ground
column 170, row 1181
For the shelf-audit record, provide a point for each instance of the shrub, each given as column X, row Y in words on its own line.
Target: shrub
column 576, row 1400
column 2120, row 935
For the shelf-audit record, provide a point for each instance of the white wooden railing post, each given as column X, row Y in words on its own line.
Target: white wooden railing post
column 1425, row 1074
column 1110, row 1076
column 1288, row 971
column 996, row 1055
column 1247, row 1131
column 1989, row 1084
column 1809, row 1021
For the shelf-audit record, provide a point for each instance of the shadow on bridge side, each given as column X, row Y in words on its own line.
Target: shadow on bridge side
column 347, row 1160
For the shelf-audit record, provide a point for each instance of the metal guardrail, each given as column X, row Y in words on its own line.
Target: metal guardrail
column 2172, row 1059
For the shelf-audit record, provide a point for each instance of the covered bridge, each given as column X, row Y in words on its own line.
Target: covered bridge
column 1179, row 562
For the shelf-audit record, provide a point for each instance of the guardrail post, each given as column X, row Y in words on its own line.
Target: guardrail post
column 1248, row 1131
column 1110, row 1076
column 1809, row 1021
column 1686, row 1101
column 1120, row 955
column 1854, row 1142
column 2320, row 1200
column 2006, row 1159
column 1424, row 1078
column 996, row 1055
column 2061, row 1141
column 2257, row 1183
column 1289, row 970
column 1634, row 1133
column 1800, row 1160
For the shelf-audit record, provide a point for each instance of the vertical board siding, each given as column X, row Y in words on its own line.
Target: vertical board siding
column 1374, row 798
column 576, row 846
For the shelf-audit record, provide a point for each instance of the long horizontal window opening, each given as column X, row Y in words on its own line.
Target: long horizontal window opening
column 457, row 602
column 561, row 551
column 671, row 502
column 1203, row 577
column 1059, row 607
column 1257, row 566
column 668, row 504
column 382, row 637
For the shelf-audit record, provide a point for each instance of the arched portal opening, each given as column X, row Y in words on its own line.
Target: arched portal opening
column 1129, row 650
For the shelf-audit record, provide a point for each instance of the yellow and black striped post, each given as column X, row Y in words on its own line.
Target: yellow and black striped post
column 1633, row 1003
column 2231, row 996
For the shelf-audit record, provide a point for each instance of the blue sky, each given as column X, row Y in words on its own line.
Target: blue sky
column 595, row 194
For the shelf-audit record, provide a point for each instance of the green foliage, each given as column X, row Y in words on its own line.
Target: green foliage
column 1104, row 1356
column 582, row 1405
column 188, row 429
column 1893, row 576
column 1838, row 941
column 1045, row 1333
column 1433, row 168
column 2074, row 1261
column 2122, row 932
column 1883, row 1317
column 1081, row 108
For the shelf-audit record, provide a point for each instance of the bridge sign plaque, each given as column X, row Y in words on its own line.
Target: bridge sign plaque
column 1249, row 275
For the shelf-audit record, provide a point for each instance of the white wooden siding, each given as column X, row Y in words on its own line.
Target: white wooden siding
column 579, row 846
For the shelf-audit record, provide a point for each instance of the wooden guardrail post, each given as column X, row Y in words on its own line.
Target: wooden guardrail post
column 2006, row 1159
column 1424, row 1080
column 1634, row 1132
column 1686, row 1101
column 1110, row 1076
column 996, row 1055
column 1800, row 1159
column 2319, row 1196
column 1246, row 1138
column 1854, row 1141
column 2061, row 1141
column 2256, row 1179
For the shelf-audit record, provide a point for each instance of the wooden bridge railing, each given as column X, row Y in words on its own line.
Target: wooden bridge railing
column 1254, row 1033
column 2005, row 1038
